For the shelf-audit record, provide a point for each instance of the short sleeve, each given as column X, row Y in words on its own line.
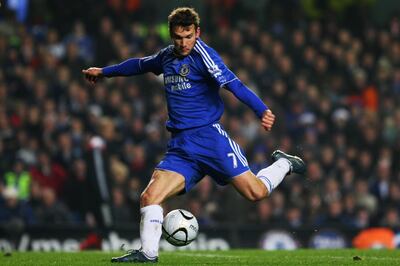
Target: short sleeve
column 215, row 66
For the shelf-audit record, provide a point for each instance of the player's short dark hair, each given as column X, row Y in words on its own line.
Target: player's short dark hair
column 183, row 17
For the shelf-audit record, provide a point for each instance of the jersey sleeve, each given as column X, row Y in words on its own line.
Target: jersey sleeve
column 152, row 63
column 214, row 64
column 247, row 96
column 136, row 66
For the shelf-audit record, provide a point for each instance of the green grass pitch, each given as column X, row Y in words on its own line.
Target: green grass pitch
column 232, row 258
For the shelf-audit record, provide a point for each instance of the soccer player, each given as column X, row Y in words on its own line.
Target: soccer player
column 193, row 75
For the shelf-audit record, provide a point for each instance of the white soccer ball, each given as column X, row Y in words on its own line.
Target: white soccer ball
column 180, row 227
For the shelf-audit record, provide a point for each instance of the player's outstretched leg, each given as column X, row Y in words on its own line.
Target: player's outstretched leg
column 284, row 164
column 135, row 256
column 297, row 165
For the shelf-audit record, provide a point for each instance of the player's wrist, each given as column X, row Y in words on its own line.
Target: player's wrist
column 104, row 71
column 264, row 112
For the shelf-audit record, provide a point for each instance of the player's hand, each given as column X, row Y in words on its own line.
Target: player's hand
column 93, row 74
column 267, row 120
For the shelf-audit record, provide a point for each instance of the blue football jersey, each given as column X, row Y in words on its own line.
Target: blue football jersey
column 192, row 84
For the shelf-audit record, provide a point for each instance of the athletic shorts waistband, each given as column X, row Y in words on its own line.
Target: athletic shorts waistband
column 180, row 132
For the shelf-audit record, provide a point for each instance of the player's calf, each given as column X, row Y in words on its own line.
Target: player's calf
column 250, row 187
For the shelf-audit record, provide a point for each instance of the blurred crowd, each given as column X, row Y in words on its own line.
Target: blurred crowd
column 334, row 89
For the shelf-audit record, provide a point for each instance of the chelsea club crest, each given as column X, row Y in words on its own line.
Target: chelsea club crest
column 184, row 71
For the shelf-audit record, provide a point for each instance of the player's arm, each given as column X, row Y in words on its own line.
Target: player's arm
column 130, row 67
column 248, row 97
column 224, row 77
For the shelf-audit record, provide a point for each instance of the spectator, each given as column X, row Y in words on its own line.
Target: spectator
column 294, row 217
column 52, row 211
column 364, row 198
column 362, row 218
column 391, row 218
column 264, row 214
column 122, row 214
column 48, row 173
column 15, row 214
column 78, row 192
column 380, row 188
column 19, row 179
column 133, row 197
column 334, row 217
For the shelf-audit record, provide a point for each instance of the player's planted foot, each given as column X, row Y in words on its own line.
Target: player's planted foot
column 297, row 165
column 135, row 256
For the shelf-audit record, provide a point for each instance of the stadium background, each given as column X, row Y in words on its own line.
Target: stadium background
column 74, row 158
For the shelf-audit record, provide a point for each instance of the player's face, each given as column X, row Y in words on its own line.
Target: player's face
column 184, row 39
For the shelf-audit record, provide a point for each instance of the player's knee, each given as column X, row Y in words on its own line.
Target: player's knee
column 148, row 198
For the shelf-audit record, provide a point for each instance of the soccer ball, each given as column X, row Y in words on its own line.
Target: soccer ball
column 180, row 227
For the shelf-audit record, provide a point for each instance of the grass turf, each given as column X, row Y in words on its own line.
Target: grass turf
column 232, row 258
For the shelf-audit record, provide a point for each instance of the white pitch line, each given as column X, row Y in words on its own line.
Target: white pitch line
column 362, row 257
column 327, row 257
column 207, row 255
column 381, row 258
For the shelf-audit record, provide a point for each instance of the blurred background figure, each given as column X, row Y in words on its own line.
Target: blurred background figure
column 15, row 215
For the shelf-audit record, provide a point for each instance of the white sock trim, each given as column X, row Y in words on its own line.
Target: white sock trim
column 266, row 182
column 273, row 175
